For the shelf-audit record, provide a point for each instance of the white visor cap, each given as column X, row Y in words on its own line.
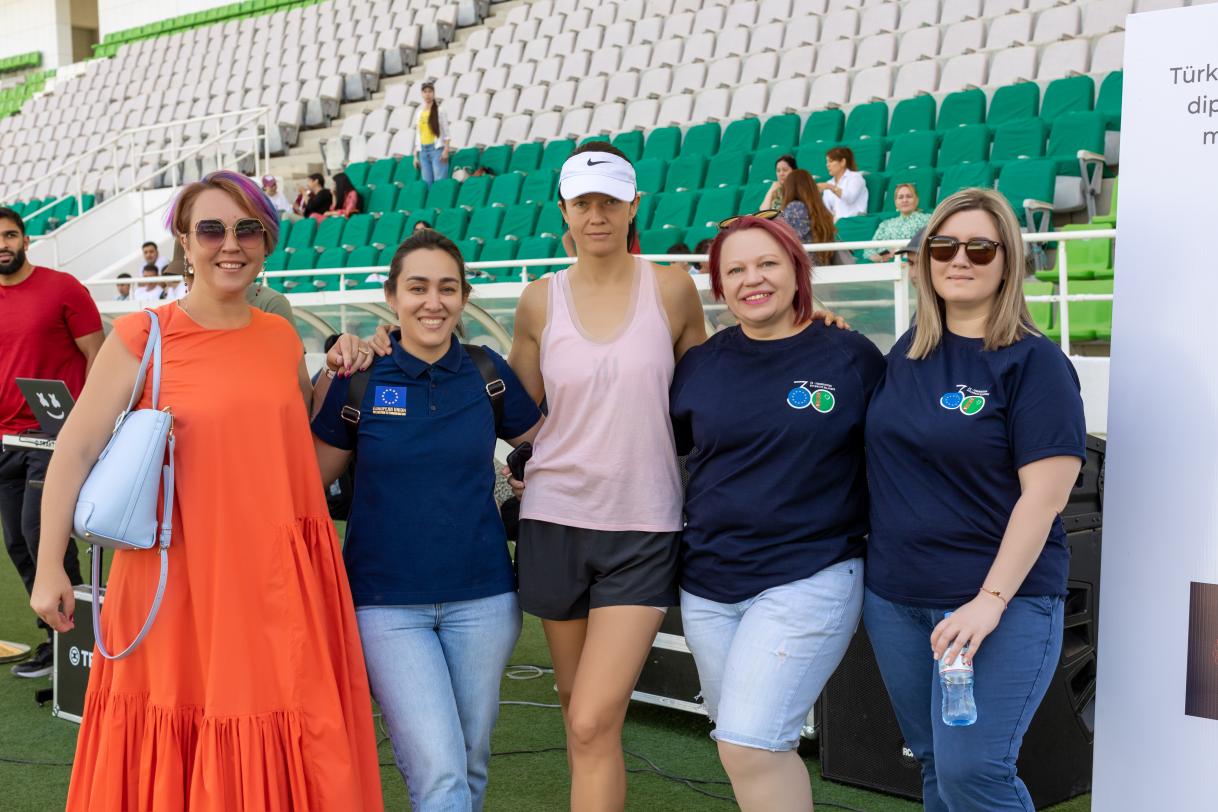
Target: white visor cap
column 597, row 173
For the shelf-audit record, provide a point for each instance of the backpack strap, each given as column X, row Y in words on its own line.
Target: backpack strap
column 350, row 412
column 495, row 387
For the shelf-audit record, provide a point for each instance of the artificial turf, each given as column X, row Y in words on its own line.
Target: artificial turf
column 36, row 749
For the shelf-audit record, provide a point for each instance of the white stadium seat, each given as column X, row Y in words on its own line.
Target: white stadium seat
column 871, row 84
column 916, row 78
column 1013, row 65
column 788, row 96
column 878, row 49
column 1009, row 31
column 965, row 71
column 1066, row 58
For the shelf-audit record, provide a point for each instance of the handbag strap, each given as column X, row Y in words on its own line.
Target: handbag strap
column 152, row 350
column 165, row 535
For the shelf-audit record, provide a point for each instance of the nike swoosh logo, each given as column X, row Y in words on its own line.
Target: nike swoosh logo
column 596, row 163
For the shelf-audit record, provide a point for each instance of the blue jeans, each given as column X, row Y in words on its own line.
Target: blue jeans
column 431, row 167
column 968, row 769
column 762, row 662
column 435, row 671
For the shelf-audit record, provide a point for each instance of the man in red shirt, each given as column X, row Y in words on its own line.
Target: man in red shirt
column 49, row 328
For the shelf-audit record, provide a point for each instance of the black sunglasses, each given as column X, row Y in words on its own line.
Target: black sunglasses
column 979, row 250
column 211, row 233
column 764, row 214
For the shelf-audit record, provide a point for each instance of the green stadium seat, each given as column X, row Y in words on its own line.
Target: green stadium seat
column 674, row 210
column 716, row 205
column 285, row 230
column 539, row 186
column 499, row 250
column 965, row 176
column 1108, row 220
column 452, row 223
column 1069, row 95
column 963, row 145
column 525, row 158
column 740, row 136
column 924, row 181
column 550, row 221
column 857, row 229
column 556, row 152
column 388, row 229
column 642, row 216
column 520, row 220
column 1013, row 103
column 1031, row 180
column 358, row 231
column 381, row 172
column 329, row 259
column 505, row 190
column 412, row 197
column 701, row 139
column 277, row 260
column 470, row 249
column 1042, row 312
column 663, row 143
column 657, row 240
column 1017, row 140
column 1071, row 133
column 761, row 170
column 363, row 257
column 386, row 257
column 588, row 139
column 631, row 144
column 484, row 224
column 427, row 216
column 751, row 197
column 868, row 154
column 696, row 234
column 913, row 150
column 727, row 169
column 474, row 192
column 299, row 261
column 912, row 116
column 466, row 159
column 1085, row 259
column 496, row 158
column 1089, row 321
column 383, row 198
column 357, row 173
column 650, row 174
column 686, row 172
column 1108, row 103
column 406, row 172
column 823, row 127
column 812, row 158
column 867, row 121
column 329, row 233
column 443, row 194
column 537, row 248
column 780, row 131
column 876, row 182
column 301, row 238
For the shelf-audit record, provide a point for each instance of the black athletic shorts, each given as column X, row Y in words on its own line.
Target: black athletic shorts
column 566, row 571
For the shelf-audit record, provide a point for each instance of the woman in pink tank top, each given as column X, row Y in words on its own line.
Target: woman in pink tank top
column 601, row 516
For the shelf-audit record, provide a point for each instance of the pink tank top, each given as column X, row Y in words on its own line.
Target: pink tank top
column 605, row 458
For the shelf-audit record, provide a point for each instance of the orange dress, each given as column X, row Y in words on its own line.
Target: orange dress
column 249, row 692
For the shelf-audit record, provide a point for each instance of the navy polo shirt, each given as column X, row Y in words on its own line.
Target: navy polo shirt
column 777, row 489
column 946, row 437
column 424, row 527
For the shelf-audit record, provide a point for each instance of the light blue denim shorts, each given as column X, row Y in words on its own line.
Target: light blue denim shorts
column 763, row 662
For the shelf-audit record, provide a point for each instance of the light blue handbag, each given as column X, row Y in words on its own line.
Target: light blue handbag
column 116, row 507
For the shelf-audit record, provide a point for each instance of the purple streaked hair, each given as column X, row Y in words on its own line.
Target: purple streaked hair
column 244, row 191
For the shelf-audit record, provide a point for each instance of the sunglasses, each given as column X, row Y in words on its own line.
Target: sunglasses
column 764, row 214
column 211, row 233
column 979, row 250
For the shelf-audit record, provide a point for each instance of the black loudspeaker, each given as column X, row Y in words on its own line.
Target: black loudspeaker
column 861, row 744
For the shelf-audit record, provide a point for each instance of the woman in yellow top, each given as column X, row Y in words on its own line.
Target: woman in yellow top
column 432, row 127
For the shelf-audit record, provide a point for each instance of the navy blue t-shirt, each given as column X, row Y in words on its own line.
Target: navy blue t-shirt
column 946, row 437
column 777, row 489
column 424, row 527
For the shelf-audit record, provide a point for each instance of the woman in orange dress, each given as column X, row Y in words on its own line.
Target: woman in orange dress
column 249, row 692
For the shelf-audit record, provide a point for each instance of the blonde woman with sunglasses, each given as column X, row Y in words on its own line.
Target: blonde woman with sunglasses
column 974, row 439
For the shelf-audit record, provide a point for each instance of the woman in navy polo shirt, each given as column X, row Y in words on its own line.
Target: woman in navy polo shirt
column 771, row 413
column 975, row 437
column 434, row 590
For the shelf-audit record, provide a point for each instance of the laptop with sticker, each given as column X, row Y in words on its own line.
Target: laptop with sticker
column 49, row 400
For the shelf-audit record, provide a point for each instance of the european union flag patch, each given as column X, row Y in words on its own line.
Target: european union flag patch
column 389, row 400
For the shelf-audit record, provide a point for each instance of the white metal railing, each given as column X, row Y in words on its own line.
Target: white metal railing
column 895, row 272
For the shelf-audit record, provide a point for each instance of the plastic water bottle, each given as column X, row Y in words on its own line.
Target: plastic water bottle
column 956, row 680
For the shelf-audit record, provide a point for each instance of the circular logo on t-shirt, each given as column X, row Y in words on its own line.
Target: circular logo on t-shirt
column 972, row 404
column 823, row 401
column 800, row 398
column 951, row 400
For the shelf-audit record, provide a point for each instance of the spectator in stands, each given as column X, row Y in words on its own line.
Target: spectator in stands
column 313, row 198
column 49, row 328
column 806, row 214
column 152, row 255
column 483, row 171
column 975, row 437
column 436, row 603
column 174, row 291
column 909, row 221
column 432, row 128
column 601, row 516
column 703, row 247
column 149, row 291
column 909, row 254
column 845, row 193
column 787, row 578
column 680, row 265
column 422, row 225
column 345, row 194
column 255, row 654
column 270, row 188
column 124, row 290
column 782, row 167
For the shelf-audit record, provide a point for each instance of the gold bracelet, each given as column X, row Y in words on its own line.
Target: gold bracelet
column 997, row 595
